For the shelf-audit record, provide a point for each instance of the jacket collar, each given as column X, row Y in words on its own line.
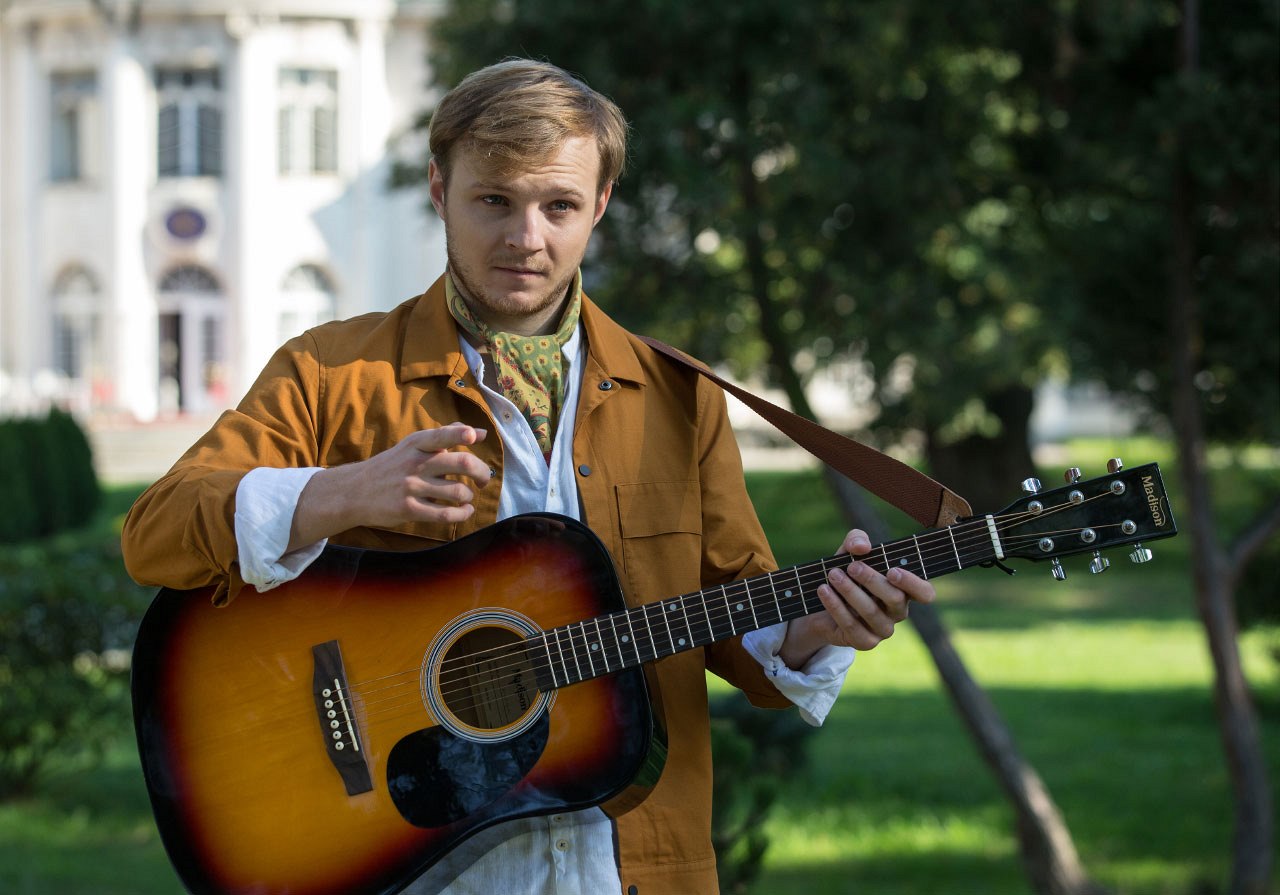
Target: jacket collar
column 431, row 341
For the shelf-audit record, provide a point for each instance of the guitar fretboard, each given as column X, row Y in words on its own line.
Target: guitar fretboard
column 609, row 643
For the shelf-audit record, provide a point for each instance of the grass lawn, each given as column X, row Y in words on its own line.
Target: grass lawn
column 1104, row 682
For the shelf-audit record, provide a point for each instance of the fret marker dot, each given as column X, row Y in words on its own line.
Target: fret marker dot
column 738, row 607
column 902, row 562
column 681, row 641
column 595, row 646
column 786, row 593
column 626, row 639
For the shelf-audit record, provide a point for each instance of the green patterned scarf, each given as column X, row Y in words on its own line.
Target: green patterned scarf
column 530, row 369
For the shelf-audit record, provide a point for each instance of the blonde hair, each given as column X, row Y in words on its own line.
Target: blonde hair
column 517, row 114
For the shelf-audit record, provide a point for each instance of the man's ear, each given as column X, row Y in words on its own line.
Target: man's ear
column 602, row 202
column 435, row 180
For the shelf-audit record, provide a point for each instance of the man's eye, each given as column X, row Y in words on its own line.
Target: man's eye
column 493, row 200
column 562, row 206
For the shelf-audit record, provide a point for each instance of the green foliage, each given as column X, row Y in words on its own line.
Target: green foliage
column 960, row 199
column 68, row 613
column 757, row 755
column 47, row 477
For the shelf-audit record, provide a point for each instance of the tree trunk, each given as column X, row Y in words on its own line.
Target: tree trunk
column 1215, row 572
column 986, row 471
column 1048, row 852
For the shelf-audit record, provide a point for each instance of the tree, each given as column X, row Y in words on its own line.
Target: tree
column 1161, row 189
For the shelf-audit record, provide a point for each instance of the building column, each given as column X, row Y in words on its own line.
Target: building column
column 132, row 336
column 250, row 185
column 19, row 219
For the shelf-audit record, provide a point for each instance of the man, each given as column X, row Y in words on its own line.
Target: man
column 415, row 427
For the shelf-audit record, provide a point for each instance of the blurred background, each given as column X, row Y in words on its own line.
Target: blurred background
column 994, row 240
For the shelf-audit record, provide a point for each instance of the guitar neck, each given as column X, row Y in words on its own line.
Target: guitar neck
column 609, row 643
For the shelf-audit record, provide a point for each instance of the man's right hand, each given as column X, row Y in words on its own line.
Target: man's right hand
column 421, row 479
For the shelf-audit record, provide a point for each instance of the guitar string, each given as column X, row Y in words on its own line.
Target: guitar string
column 715, row 626
column 378, row 711
column 578, row 638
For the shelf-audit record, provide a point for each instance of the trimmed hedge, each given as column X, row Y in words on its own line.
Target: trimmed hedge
column 47, row 480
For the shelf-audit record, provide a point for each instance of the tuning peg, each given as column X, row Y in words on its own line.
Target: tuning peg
column 1114, row 465
column 1031, row 486
column 1099, row 563
column 1059, row 573
column 1140, row 554
column 1072, row 475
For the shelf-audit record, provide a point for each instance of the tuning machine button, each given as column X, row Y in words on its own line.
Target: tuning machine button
column 1114, row 465
column 1138, row 554
column 1099, row 563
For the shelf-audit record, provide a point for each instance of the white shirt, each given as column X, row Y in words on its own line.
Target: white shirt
column 564, row 854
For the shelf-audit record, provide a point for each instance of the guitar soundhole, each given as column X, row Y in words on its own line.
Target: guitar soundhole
column 486, row 680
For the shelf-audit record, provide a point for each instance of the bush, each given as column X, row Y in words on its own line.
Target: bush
column 47, row 477
column 68, row 613
column 757, row 753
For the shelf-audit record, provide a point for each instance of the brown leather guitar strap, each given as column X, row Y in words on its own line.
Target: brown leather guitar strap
column 917, row 495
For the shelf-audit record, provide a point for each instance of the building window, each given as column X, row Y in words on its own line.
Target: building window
column 189, row 129
column 308, row 299
column 73, row 126
column 77, row 335
column 189, row 278
column 308, row 121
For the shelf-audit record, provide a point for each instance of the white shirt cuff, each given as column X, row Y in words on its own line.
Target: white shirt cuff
column 814, row 688
column 265, row 502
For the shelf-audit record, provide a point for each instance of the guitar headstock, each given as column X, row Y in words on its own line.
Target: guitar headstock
column 1126, row 506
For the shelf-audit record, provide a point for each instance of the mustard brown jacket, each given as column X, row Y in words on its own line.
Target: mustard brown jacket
column 660, row 480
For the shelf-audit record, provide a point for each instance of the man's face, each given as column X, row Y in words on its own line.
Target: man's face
column 515, row 243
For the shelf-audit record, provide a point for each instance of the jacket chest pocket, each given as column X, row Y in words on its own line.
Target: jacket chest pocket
column 661, row 528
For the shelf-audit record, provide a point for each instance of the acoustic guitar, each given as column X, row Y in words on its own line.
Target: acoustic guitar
column 390, row 716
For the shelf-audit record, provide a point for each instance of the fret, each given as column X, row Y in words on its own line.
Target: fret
column 653, row 643
column 597, row 646
column 551, row 667
column 688, row 626
column 773, row 591
column 955, row 549
column 671, row 608
column 630, row 637
column 728, row 610
column 706, row 632
column 923, row 572
column 617, row 641
column 573, row 652
column 586, row 647
column 671, row 637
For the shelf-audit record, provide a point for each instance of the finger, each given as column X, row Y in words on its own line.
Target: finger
column 856, row 543
column 870, row 610
column 892, row 599
column 852, row 630
column 443, row 438
column 912, row 586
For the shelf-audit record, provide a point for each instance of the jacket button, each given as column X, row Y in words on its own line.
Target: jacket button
column 460, row 383
column 584, row 469
column 606, row 386
column 632, row 890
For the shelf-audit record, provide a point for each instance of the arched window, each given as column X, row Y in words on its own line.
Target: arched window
column 189, row 278
column 76, row 322
column 308, row 298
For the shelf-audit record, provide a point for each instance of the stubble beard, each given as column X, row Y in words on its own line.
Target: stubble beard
column 493, row 308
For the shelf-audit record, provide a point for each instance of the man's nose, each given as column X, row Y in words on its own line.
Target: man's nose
column 525, row 232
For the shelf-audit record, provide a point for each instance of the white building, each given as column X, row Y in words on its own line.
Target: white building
column 186, row 183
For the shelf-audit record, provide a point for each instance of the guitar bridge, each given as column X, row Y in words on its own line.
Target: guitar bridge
column 337, row 718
